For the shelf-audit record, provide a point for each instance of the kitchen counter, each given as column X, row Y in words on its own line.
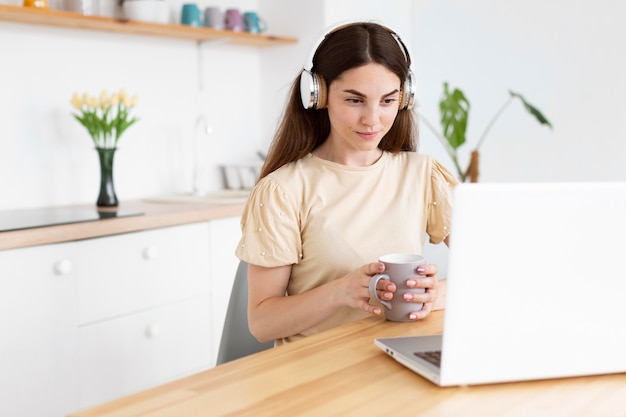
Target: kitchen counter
column 154, row 215
column 139, row 298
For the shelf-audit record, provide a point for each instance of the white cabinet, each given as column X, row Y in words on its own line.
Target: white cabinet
column 225, row 235
column 88, row 321
column 38, row 336
column 144, row 310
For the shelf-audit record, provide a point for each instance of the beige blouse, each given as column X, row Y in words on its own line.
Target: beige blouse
column 327, row 219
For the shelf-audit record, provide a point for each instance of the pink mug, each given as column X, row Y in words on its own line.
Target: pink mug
column 233, row 20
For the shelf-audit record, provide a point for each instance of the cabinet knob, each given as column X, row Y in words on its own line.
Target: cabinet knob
column 63, row 267
column 150, row 252
column 153, row 330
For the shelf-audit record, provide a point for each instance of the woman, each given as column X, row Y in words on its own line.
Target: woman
column 341, row 186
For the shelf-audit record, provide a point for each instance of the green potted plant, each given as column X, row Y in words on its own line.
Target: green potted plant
column 454, row 112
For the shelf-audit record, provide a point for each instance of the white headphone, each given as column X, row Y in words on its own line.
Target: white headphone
column 313, row 89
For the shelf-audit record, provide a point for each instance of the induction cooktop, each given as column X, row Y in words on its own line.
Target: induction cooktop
column 53, row 216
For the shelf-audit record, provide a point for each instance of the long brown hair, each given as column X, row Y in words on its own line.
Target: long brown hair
column 302, row 130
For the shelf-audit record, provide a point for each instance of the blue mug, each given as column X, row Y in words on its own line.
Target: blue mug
column 254, row 23
column 190, row 15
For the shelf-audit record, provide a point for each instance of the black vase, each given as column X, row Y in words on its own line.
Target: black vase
column 107, row 197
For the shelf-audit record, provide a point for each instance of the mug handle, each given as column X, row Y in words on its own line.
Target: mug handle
column 247, row 21
column 229, row 20
column 262, row 25
column 373, row 283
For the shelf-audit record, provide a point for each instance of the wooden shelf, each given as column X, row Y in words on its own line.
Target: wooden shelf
column 73, row 20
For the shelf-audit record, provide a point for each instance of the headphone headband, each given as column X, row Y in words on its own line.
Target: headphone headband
column 333, row 28
column 313, row 86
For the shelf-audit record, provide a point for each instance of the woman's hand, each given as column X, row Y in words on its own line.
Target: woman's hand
column 354, row 288
column 427, row 298
column 272, row 315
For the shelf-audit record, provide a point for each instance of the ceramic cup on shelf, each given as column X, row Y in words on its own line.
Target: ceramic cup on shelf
column 214, row 17
column 254, row 23
column 156, row 11
column 85, row 7
column 399, row 267
column 233, row 20
column 190, row 15
column 109, row 8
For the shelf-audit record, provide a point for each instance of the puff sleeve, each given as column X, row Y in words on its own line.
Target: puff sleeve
column 270, row 227
column 440, row 207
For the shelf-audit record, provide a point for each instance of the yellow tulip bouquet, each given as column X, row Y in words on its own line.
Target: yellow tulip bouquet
column 105, row 118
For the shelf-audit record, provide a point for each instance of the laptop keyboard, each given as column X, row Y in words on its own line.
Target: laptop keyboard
column 433, row 357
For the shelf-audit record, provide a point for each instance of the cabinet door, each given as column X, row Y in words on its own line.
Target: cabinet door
column 127, row 273
column 38, row 347
column 122, row 356
column 225, row 235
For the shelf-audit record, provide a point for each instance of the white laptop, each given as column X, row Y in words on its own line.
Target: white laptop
column 536, row 286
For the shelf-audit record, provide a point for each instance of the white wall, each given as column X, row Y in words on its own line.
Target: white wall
column 280, row 65
column 565, row 57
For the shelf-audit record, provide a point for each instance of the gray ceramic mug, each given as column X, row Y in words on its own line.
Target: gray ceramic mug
column 399, row 267
column 214, row 17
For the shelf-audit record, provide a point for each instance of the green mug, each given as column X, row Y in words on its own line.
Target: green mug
column 254, row 23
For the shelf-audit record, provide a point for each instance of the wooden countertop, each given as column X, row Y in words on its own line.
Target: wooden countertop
column 155, row 215
column 341, row 373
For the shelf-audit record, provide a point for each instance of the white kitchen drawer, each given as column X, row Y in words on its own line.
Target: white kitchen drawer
column 129, row 273
column 128, row 354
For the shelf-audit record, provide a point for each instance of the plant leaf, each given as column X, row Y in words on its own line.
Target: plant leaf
column 532, row 109
column 454, row 110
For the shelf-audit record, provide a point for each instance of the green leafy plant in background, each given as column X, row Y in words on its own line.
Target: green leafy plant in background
column 454, row 110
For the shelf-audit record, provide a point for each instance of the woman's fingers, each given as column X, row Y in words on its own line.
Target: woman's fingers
column 430, row 284
column 429, row 270
column 425, row 297
column 419, row 315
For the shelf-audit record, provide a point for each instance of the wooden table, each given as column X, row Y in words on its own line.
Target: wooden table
column 341, row 373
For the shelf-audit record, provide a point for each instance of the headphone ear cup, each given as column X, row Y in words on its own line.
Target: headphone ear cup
column 312, row 90
column 322, row 94
column 407, row 95
column 308, row 89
